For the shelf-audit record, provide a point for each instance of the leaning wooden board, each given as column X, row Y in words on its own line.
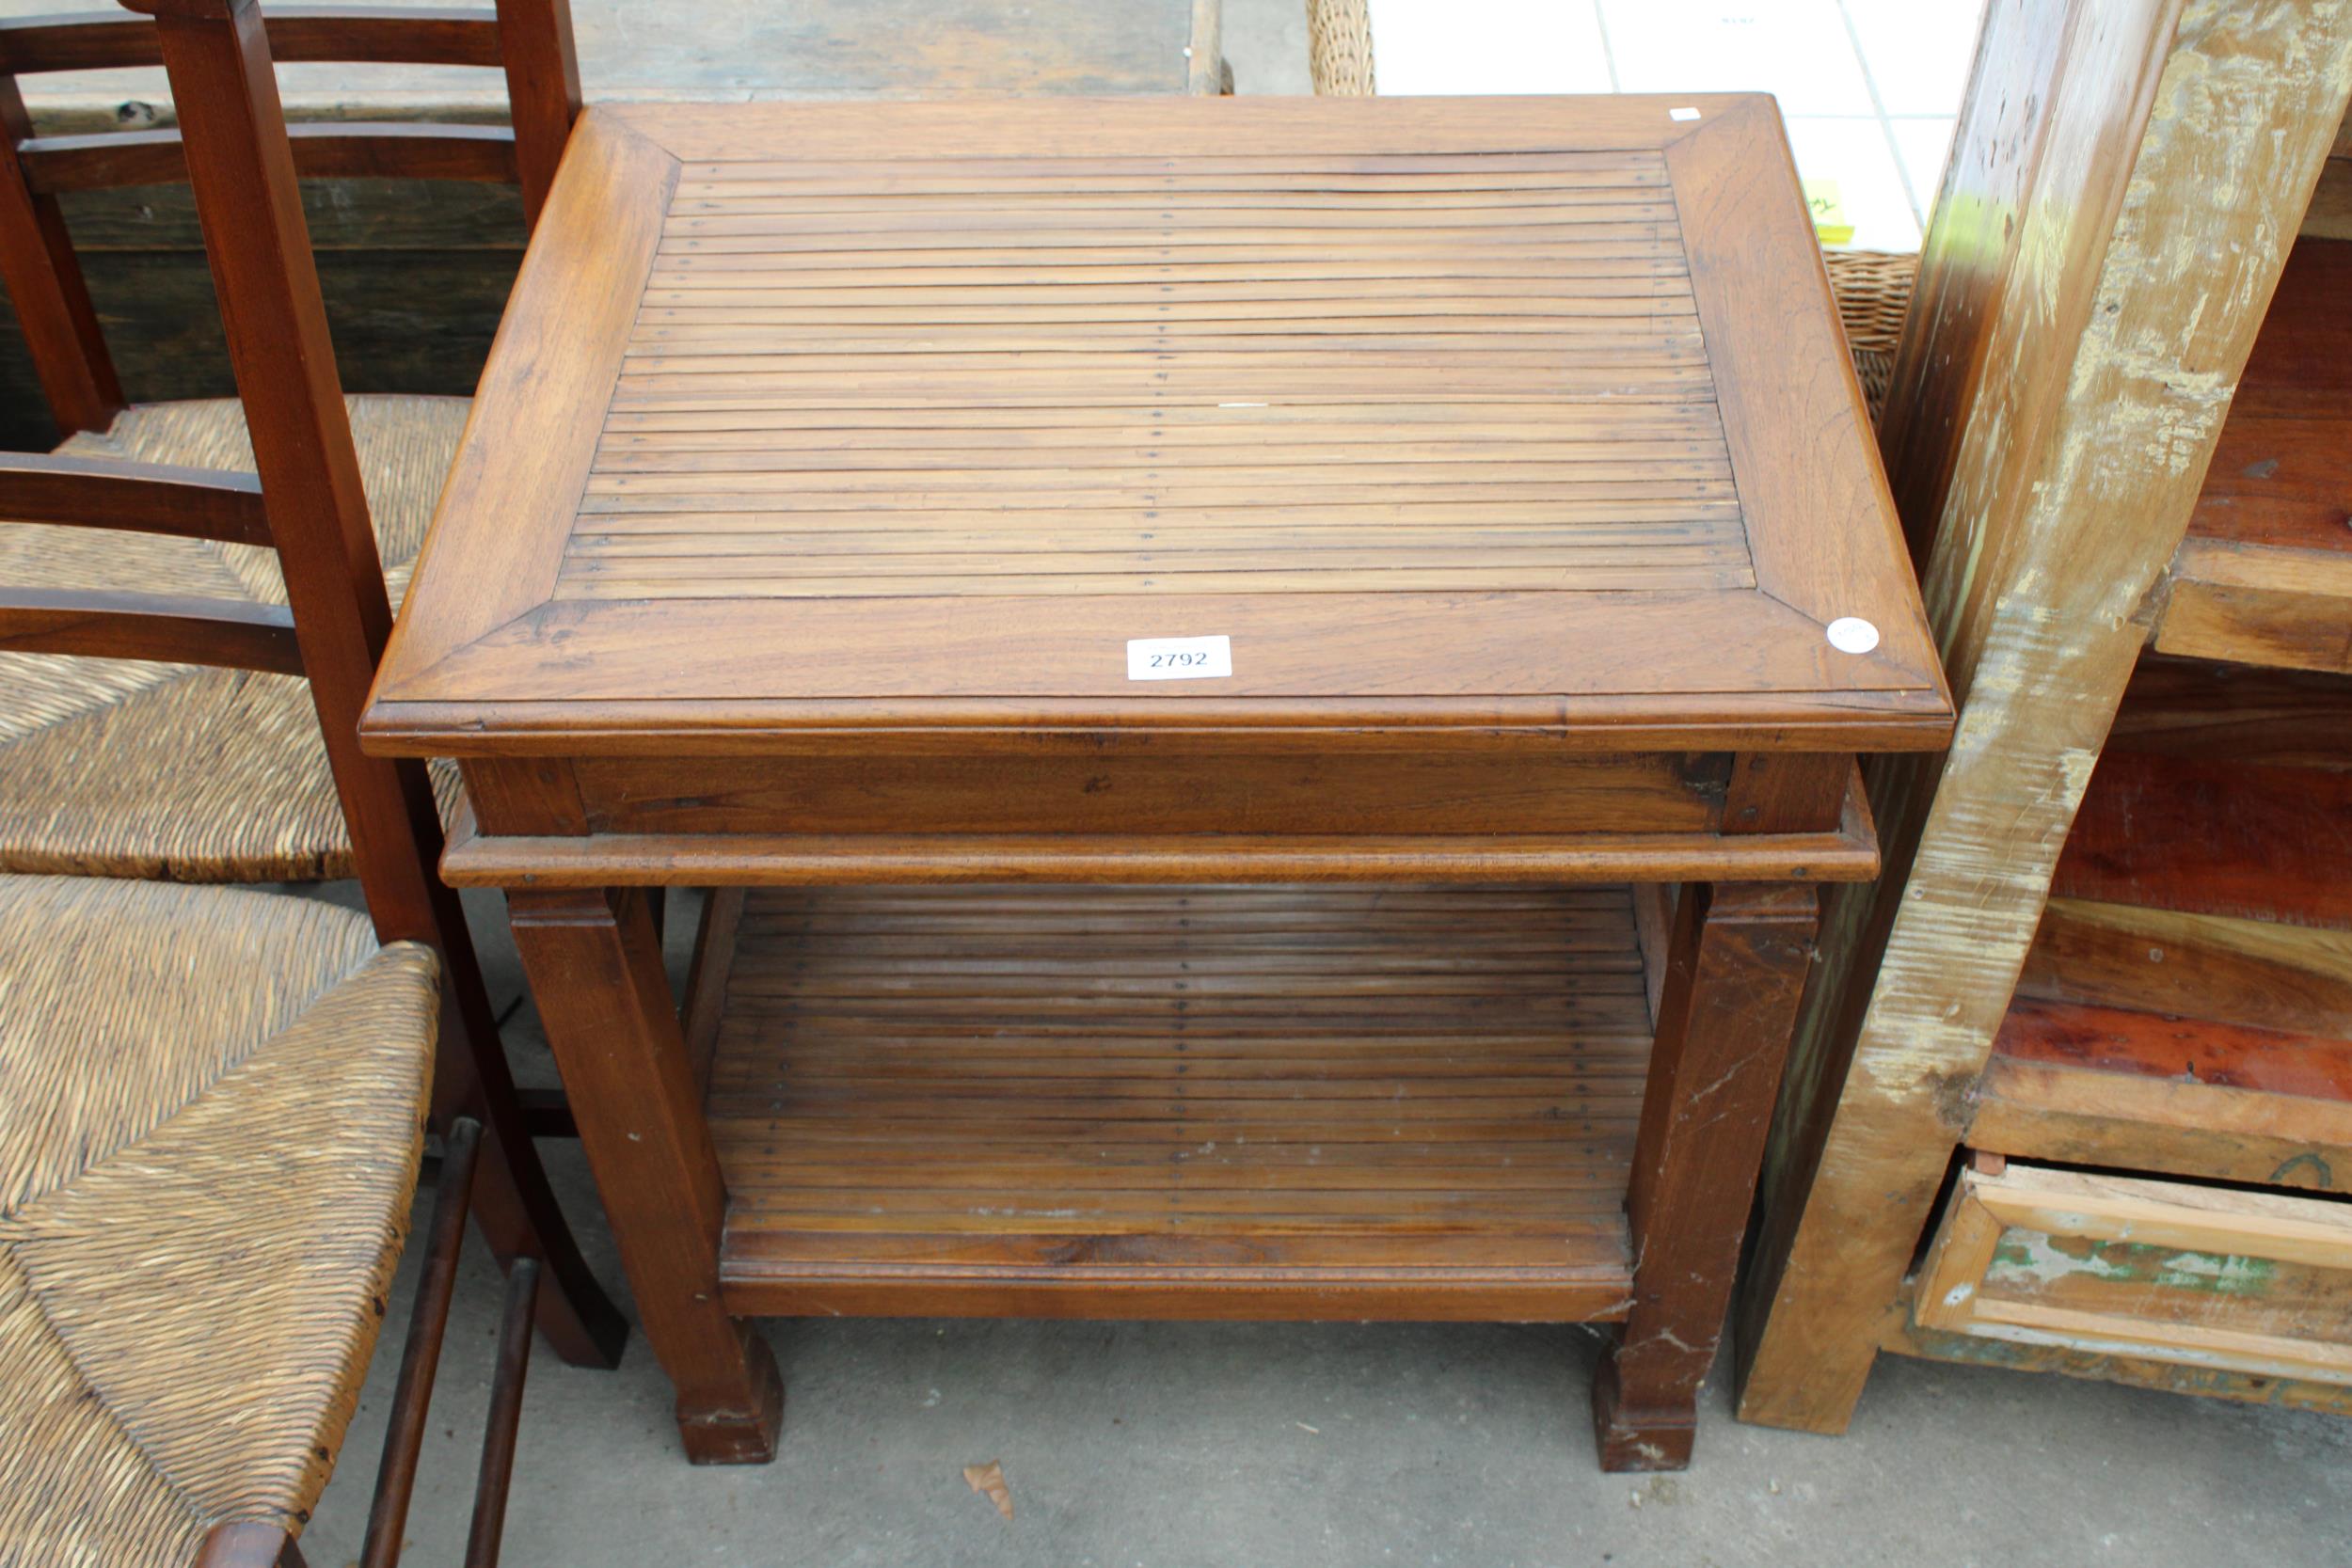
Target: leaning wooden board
column 2125, row 184
column 415, row 273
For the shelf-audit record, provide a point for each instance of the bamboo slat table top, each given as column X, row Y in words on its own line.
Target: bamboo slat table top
column 1457, row 413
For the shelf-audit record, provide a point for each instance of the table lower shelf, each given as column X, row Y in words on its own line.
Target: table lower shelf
column 1266, row 1101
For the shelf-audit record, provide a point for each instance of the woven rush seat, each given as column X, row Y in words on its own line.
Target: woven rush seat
column 118, row 768
column 210, row 1108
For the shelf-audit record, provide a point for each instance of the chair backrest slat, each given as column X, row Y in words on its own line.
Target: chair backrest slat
column 175, row 630
column 306, row 500
column 141, row 498
column 114, row 40
column 326, row 150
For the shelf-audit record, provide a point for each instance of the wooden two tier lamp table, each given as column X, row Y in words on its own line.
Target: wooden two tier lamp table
column 1172, row 625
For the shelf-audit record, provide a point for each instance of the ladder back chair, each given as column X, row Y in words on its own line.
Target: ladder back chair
column 231, row 553
column 1872, row 287
column 269, row 574
column 84, row 784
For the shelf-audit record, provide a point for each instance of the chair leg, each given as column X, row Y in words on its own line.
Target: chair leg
column 412, row 1396
column 506, row 1410
column 514, row 1205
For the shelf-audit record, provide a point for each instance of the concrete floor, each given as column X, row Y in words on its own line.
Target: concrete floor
column 1170, row 1445
column 1266, row 1445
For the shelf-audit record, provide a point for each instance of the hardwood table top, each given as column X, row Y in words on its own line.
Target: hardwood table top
column 1473, row 414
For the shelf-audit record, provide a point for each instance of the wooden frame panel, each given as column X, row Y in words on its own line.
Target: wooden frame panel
column 2258, row 1228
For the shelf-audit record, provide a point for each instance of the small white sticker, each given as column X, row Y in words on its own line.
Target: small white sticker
column 1683, row 114
column 1852, row 634
column 1178, row 659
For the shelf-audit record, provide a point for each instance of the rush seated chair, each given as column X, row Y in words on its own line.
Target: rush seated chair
column 215, row 1098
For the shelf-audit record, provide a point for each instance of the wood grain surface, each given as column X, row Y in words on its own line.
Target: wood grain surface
column 917, row 409
column 2265, row 576
column 1165, row 393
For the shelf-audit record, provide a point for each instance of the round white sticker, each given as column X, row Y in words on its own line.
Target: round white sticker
column 1852, row 634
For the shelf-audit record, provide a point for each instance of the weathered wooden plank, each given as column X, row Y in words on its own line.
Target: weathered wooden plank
column 2089, row 1086
column 2246, row 972
column 2258, row 1283
column 2125, row 184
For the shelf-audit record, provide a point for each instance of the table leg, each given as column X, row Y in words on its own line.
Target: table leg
column 1735, row 972
column 594, row 966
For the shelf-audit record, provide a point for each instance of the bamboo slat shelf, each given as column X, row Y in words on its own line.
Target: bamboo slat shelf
column 1230, row 1102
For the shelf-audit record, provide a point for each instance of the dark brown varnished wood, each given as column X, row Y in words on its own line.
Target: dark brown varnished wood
column 350, row 149
column 1738, row 965
column 45, row 284
column 147, row 498
column 420, row 1352
column 178, row 628
column 596, row 968
column 486, row 1532
column 1780, row 792
column 1144, row 792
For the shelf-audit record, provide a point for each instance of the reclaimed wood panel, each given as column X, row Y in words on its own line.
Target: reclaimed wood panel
column 2214, row 837
column 2125, row 182
column 1418, row 1101
column 2265, row 576
column 2250, row 972
column 2250, row 1282
column 2092, row 1085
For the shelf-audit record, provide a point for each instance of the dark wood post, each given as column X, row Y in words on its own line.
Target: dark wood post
column 1735, row 972
column 596, row 966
